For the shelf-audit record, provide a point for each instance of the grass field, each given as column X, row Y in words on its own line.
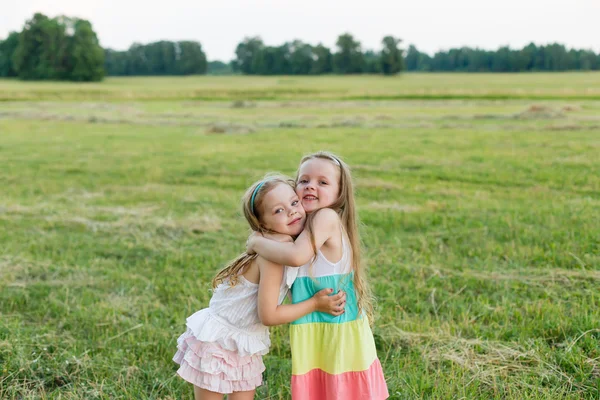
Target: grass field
column 479, row 195
column 542, row 86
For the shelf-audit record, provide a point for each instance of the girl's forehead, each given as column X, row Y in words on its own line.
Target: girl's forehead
column 318, row 166
column 281, row 192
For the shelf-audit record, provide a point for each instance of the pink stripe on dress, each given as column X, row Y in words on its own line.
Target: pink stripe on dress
column 362, row 385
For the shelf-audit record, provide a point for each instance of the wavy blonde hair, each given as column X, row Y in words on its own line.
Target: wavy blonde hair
column 252, row 213
column 346, row 209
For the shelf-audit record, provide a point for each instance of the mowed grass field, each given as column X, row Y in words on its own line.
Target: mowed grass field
column 479, row 197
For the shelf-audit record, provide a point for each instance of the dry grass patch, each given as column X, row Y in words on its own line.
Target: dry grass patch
column 229, row 128
column 243, row 104
column 488, row 360
column 540, row 112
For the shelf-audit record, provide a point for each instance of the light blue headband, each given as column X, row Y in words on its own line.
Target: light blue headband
column 335, row 160
column 254, row 196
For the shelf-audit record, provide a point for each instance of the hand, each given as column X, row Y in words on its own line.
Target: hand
column 333, row 305
column 250, row 242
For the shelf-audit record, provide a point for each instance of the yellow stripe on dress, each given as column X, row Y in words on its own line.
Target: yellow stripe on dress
column 333, row 348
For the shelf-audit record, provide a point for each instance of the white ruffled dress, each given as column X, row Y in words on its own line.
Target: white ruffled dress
column 222, row 348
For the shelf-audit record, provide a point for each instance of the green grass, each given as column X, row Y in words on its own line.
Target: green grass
column 480, row 226
column 573, row 85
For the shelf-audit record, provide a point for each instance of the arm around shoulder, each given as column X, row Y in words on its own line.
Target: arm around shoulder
column 298, row 253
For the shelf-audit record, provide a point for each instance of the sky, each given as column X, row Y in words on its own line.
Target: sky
column 431, row 25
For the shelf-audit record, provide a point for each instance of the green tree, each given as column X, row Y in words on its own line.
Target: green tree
column 301, row 58
column 41, row 51
column 417, row 61
column 272, row 60
column 392, row 60
column 168, row 56
column 349, row 58
column 322, row 63
column 85, row 54
column 138, row 63
column 219, row 68
column 372, row 62
column 191, row 60
column 588, row 60
column 116, row 62
column 528, row 53
column 161, row 57
column 246, row 52
column 412, row 58
column 559, row 59
column 7, row 51
column 58, row 48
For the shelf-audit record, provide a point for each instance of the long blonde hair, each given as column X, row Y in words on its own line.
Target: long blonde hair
column 252, row 207
column 346, row 209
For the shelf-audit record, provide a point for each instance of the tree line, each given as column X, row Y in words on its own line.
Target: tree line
column 253, row 57
column 552, row 57
column 158, row 58
column 65, row 48
column 298, row 58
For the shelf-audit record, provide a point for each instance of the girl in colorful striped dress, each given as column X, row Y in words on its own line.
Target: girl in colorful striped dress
column 333, row 357
column 221, row 350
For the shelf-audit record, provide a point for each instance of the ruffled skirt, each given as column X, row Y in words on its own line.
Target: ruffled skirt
column 218, row 357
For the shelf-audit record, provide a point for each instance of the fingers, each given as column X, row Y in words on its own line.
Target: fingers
column 339, row 296
column 335, row 303
column 338, row 306
column 324, row 292
column 337, row 313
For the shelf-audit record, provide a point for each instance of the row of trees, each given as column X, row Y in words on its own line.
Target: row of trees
column 299, row 58
column 254, row 58
column 158, row 58
column 553, row 57
column 64, row 48
column 53, row 48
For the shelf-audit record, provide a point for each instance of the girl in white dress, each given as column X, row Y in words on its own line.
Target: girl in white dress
column 222, row 348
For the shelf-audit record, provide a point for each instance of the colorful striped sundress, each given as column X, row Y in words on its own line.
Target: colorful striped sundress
column 333, row 357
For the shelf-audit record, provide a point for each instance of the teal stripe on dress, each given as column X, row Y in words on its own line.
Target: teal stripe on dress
column 305, row 287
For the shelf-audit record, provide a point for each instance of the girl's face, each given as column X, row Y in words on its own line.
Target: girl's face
column 318, row 184
column 282, row 211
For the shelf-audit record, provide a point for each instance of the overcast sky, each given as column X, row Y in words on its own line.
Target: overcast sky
column 429, row 24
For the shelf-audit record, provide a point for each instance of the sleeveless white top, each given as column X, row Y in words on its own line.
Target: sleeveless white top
column 323, row 267
column 231, row 319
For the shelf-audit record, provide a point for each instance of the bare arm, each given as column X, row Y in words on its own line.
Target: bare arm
column 299, row 252
column 271, row 313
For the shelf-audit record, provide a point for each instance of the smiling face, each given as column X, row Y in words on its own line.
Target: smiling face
column 282, row 212
column 318, row 184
